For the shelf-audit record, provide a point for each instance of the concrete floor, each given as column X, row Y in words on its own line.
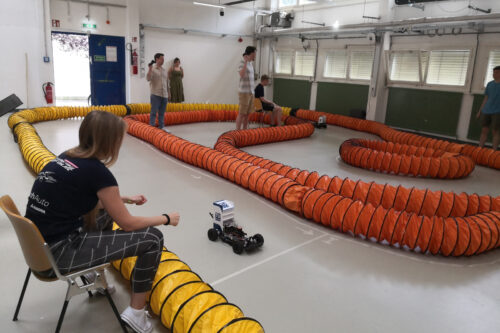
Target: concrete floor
column 306, row 278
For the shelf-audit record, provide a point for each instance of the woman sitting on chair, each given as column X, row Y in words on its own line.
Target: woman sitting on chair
column 74, row 200
column 268, row 105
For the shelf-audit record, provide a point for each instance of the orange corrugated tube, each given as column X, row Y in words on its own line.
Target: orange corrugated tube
column 413, row 200
column 482, row 156
column 420, row 220
column 404, row 159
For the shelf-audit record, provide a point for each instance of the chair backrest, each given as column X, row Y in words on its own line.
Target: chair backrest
column 257, row 104
column 30, row 238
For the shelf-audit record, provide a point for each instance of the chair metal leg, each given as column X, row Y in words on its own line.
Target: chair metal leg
column 85, row 281
column 61, row 316
column 22, row 295
column 113, row 306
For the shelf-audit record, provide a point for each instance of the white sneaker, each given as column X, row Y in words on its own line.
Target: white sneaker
column 91, row 276
column 138, row 320
column 165, row 129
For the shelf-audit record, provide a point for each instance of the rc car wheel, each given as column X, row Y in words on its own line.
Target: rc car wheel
column 212, row 234
column 238, row 247
column 258, row 239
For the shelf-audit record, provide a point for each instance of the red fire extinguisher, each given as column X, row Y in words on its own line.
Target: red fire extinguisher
column 48, row 92
column 135, row 67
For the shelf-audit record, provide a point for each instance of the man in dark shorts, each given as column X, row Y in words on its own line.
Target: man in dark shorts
column 489, row 113
column 268, row 105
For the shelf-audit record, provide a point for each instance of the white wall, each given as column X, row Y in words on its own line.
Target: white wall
column 327, row 13
column 442, row 9
column 209, row 62
column 352, row 11
column 22, row 68
column 72, row 19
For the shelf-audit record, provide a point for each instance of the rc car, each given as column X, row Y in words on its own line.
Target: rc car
column 225, row 228
column 321, row 123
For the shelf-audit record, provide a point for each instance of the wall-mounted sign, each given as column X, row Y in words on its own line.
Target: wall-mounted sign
column 99, row 58
column 111, row 54
column 90, row 26
column 56, row 24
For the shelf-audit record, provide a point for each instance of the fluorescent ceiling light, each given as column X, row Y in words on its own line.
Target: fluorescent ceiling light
column 207, row 4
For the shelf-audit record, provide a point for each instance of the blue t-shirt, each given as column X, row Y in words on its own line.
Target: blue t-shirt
column 64, row 191
column 493, row 103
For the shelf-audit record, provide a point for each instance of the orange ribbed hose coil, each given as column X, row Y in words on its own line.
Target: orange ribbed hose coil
column 404, row 159
column 420, row 220
column 482, row 156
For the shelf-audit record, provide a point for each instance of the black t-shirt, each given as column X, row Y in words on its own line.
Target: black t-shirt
column 64, row 191
column 259, row 91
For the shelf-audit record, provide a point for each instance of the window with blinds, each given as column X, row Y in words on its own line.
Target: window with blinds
column 493, row 61
column 404, row 66
column 448, row 67
column 304, row 63
column 336, row 64
column 287, row 3
column 283, row 63
column 361, row 64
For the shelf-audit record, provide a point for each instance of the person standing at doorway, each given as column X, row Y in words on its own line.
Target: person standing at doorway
column 246, row 87
column 160, row 90
column 175, row 75
column 489, row 113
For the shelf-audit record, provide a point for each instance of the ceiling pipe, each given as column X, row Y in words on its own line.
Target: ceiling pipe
column 379, row 26
column 101, row 4
column 186, row 30
column 417, row 30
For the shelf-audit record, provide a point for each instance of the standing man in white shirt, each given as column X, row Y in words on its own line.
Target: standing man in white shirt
column 246, row 87
column 160, row 90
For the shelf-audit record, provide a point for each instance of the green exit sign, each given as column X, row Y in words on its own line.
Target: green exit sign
column 89, row 26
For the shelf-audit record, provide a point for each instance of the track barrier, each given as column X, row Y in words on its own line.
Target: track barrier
column 424, row 221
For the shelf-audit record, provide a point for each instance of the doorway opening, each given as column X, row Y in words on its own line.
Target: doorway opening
column 71, row 69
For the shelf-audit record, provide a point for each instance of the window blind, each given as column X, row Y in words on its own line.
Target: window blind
column 448, row 67
column 304, row 63
column 404, row 66
column 283, row 62
column 336, row 64
column 361, row 64
column 287, row 3
column 493, row 61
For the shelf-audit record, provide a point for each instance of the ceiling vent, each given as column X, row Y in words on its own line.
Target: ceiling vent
column 281, row 19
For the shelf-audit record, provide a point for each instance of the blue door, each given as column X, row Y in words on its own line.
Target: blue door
column 107, row 69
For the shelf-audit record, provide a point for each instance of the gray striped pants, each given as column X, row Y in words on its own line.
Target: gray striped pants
column 88, row 249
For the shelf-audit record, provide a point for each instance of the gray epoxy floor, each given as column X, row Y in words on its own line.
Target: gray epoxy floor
column 306, row 278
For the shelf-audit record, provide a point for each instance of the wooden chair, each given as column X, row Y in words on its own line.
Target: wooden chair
column 42, row 264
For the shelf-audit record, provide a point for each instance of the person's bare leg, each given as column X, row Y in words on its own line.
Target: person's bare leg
column 138, row 300
column 496, row 139
column 278, row 115
column 484, row 136
column 245, row 121
column 274, row 118
column 238, row 121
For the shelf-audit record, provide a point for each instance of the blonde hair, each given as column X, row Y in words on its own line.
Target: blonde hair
column 101, row 134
